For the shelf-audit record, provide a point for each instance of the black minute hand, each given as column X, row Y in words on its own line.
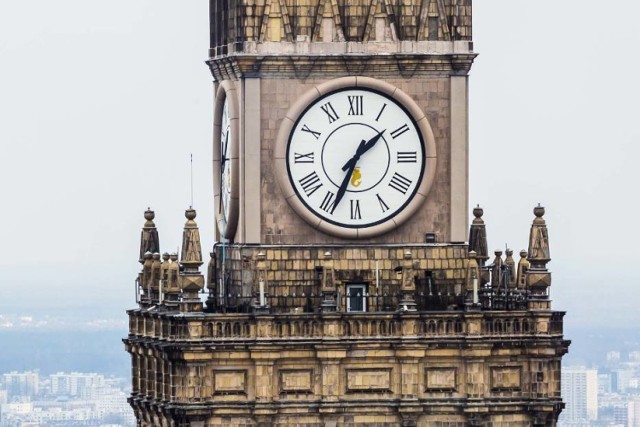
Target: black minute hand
column 345, row 182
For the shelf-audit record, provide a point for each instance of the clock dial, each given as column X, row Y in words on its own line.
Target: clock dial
column 225, row 163
column 355, row 159
column 225, row 160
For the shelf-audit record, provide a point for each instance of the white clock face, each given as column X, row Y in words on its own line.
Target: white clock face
column 225, row 159
column 355, row 158
column 225, row 162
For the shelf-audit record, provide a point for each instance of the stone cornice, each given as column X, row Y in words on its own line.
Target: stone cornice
column 302, row 66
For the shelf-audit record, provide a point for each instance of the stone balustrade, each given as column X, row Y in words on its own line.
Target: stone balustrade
column 305, row 326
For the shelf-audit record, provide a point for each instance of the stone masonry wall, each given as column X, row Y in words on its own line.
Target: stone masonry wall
column 280, row 224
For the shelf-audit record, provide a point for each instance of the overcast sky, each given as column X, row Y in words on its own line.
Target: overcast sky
column 102, row 103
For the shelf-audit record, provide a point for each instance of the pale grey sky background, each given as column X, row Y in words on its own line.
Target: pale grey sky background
column 101, row 104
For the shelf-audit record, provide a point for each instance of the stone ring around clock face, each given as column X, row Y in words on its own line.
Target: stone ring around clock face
column 225, row 159
column 355, row 157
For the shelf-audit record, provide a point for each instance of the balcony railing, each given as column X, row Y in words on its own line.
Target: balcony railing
column 304, row 326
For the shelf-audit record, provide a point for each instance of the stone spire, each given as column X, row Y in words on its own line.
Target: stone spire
column 191, row 281
column 191, row 251
column 478, row 237
column 538, row 278
column 149, row 240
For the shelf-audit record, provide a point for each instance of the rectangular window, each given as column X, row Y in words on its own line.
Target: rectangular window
column 357, row 297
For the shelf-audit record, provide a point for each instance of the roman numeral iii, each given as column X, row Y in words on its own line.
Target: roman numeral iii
column 407, row 156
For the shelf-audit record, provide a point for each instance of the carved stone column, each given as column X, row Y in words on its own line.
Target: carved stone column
column 261, row 287
column 472, row 279
column 408, row 284
column 328, row 287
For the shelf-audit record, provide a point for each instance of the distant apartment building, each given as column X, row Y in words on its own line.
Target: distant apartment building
column 580, row 392
column 621, row 380
column 76, row 384
column 613, row 356
column 633, row 412
column 604, row 383
column 21, row 384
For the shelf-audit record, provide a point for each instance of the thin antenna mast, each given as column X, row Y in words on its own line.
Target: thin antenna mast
column 191, row 206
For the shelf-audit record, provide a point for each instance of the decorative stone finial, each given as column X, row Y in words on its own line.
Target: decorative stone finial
column 538, row 278
column 149, row 240
column 190, row 214
column 539, row 240
column 191, row 250
column 478, row 236
column 478, row 212
column 191, row 281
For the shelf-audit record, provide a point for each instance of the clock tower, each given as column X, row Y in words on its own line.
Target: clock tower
column 314, row 79
column 346, row 286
